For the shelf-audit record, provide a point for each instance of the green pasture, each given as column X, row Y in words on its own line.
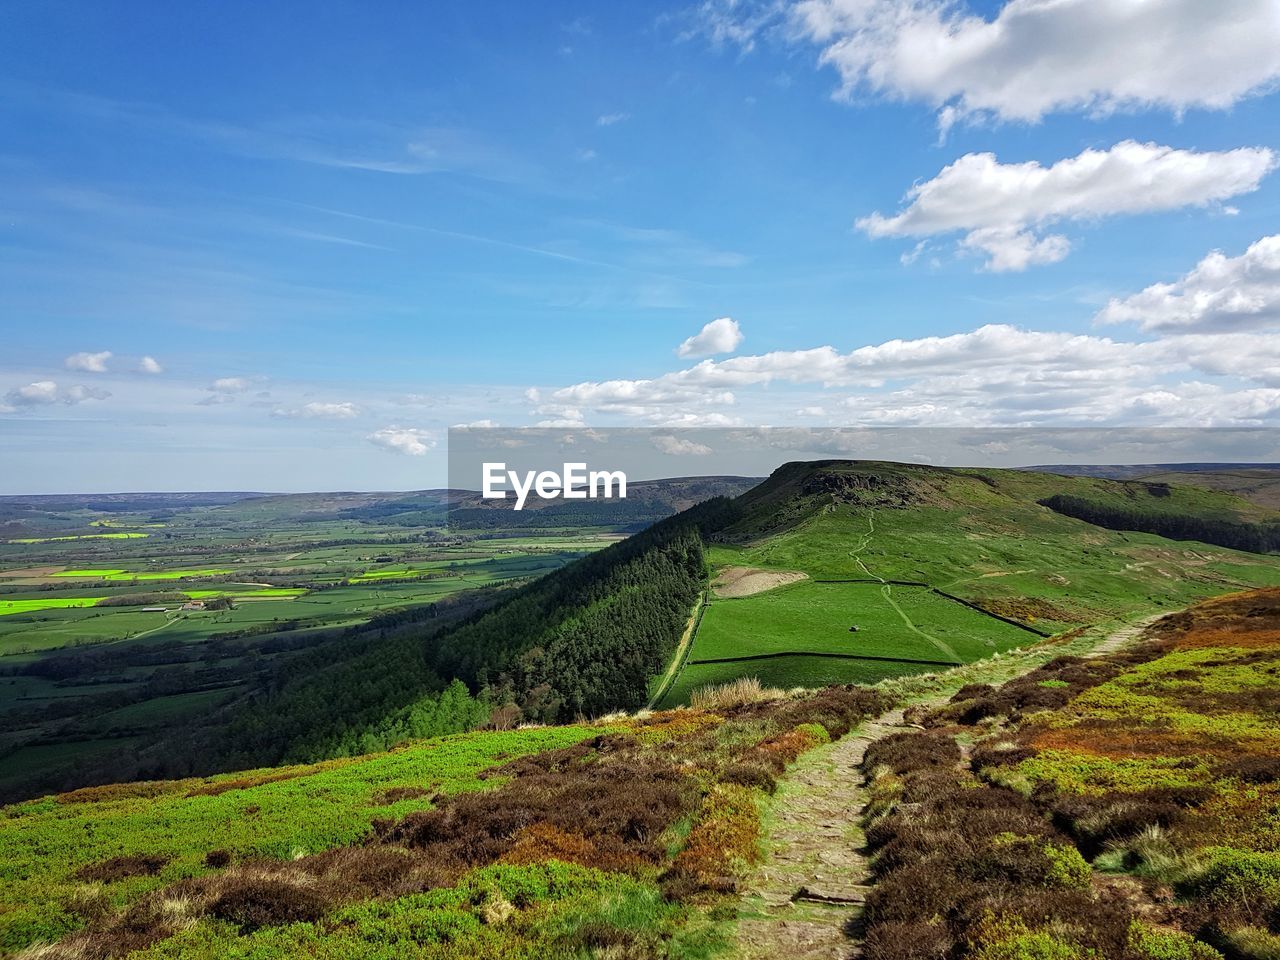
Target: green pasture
column 1006, row 549
column 145, row 574
column 82, row 536
column 804, row 629
column 810, row 617
column 45, row 603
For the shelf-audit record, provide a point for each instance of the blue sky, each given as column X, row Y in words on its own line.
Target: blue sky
column 338, row 229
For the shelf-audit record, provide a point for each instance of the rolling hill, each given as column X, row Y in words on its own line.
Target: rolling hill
column 1258, row 483
column 943, row 566
column 858, row 571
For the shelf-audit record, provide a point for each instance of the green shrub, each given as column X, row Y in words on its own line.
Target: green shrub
column 1239, row 883
column 1068, row 868
column 1009, row 938
column 1250, row 943
column 815, row 730
column 1152, row 944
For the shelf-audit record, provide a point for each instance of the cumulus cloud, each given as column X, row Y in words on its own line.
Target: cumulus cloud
column 718, row 336
column 1220, row 293
column 484, row 424
column 150, row 365
column 1035, row 57
column 88, row 362
column 995, row 375
column 43, row 393
column 317, row 410
column 407, row 440
column 609, row 119
column 679, row 446
column 34, row 394
column 228, row 385
column 1003, row 208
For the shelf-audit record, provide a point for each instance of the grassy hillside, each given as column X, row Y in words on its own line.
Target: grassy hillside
column 620, row 837
column 346, row 633
column 1124, row 807
column 1259, row 483
column 125, row 840
column 977, row 537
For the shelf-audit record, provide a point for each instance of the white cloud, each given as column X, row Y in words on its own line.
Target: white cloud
column 689, row 420
column 47, row 393
column 33, row 394
column 1003, row 208
column 679, row 446
column 1037, row 56
column 994, row 375
column 407, row 440
column 609, row 119
column 228, row 385
column 88, row 362
column 1013, row 249
column 476, row 425
column 150, row 365
column 317, row 410
column 718, row 336
column 1220, row 293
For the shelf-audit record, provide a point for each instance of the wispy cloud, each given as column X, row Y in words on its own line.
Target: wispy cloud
column 320, row 410
column 351, row 143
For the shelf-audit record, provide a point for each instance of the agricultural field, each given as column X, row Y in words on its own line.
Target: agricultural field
column 800, row 635
column 125, row 615
column 953, row 566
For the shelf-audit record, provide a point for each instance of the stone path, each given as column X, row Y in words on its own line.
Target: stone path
column 815, row 876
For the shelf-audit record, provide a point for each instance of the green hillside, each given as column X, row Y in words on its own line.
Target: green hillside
column 540, row 843
column 930, row 545
column 932, row 566
column 983, row 535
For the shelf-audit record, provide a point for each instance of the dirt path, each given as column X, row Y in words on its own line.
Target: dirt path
column 814, row 879
column 799, row 904
column 680, row 656
column 1124, row 636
